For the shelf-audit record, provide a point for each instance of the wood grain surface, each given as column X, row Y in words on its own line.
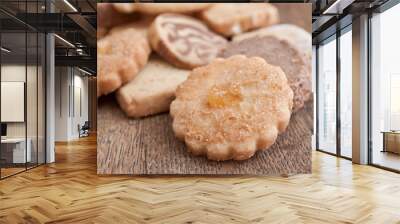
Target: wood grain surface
column 148, row 146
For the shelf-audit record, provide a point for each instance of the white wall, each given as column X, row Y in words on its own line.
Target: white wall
column 79, row 117
column 61, row 103
column 70, row 83
column 17, row 73
column 12, row 100
column 33, row 127
column 14, row 73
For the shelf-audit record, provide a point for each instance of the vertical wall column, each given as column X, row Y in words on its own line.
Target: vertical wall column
column 360, row 90
column 63, row 99
column 50, row 98
column 314, row 88
column 71, row 102
column 92, row 99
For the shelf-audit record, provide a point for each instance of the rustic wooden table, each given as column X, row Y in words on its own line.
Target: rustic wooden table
column 148, row 146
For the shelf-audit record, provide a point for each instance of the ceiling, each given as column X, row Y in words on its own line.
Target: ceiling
column 331, row 15
column 16, row 42
column 72, row 20
column 40, row 5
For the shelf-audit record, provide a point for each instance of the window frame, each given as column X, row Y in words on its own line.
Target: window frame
column 334, row 37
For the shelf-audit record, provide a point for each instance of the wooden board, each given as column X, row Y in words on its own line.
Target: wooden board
column 148, row 146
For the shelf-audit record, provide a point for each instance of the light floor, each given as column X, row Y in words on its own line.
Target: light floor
column 69, row 191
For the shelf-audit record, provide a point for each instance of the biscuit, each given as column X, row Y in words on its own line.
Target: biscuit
column 108, row 17
column 233, row 18
column 152, row 90
column 120, row 56
column 184, row 41
column 125, row 7
column 158, row 8
column 295, row 35
column 279, row 53
column 231, row 108
column 101, row 32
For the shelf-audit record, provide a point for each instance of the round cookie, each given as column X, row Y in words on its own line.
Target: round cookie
column 229, row 19
column 279, row 53
column 295, row 35
column 158, row 8
column 231, row 108
column 125, row 7
column 108, row 17
column 120, row 56
column 101, row 32
column 184, row 41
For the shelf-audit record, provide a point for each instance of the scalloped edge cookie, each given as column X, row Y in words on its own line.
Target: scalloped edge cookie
column 232, row 108
column 230, row 19
column 120, row 56
column 158, row 8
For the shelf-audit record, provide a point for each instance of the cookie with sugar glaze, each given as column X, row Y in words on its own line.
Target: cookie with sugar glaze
column 158, row 8
column 232, row 108
column 120, row 56
column 230, row 19
column 108, row 17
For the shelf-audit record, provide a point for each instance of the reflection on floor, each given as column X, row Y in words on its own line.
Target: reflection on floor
column 70, row 191
column 346, row 152
column 10, row 170
column 387, row 159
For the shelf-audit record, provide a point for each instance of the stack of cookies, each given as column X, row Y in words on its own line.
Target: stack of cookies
column 228, row 73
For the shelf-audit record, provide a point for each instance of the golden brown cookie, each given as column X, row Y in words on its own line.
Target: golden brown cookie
column 120, row 56
column 158, row 8
column 108, row 17
column 279, row 53
column 101, row 32
column 231, row 108
column 230, row 19
column 125, row 7
column 184, row 41
column 152, row 90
